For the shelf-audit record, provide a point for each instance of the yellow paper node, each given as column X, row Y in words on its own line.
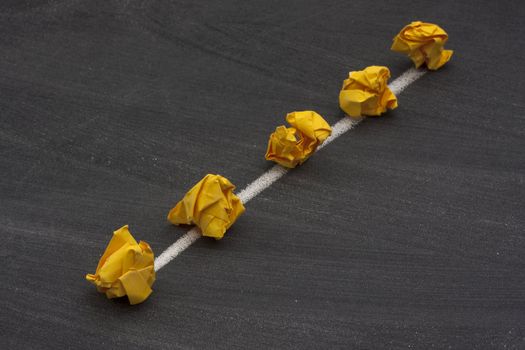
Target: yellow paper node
column 423, row 43
column 292, row 146
column 366, row 93
column 210, row 204
column 126, row 268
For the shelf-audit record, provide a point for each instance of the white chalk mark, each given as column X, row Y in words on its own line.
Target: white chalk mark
column 276, row 172
column 178, row 247
column 263, row 182
column 404, row 80
column 339, row 129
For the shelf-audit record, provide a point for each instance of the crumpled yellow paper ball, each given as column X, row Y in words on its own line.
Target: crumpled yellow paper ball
column 366, row 93
column 210, row 204
column 126, row 268
column 292, row 146
column 423, row 43
column 283, row 147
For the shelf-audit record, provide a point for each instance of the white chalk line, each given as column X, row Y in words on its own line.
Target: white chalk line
column 276, row 172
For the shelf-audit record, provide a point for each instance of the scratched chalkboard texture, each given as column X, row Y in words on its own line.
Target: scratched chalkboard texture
column 407, row 232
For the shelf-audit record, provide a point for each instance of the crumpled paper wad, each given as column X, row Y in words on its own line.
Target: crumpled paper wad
column 292, row 146
column 366, row 93
column 126, row 268
column 423, row 43
column 210, row 204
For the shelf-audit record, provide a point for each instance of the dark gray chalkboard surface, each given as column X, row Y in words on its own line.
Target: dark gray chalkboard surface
column 407, row 232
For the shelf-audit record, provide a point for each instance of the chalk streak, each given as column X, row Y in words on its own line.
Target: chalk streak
column 276, row 172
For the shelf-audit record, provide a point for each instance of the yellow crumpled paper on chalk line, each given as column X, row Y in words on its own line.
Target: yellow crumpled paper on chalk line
column 292, row 146
column 126, row 268
column 366, row 93
column 423, row 43
column 210, row 204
